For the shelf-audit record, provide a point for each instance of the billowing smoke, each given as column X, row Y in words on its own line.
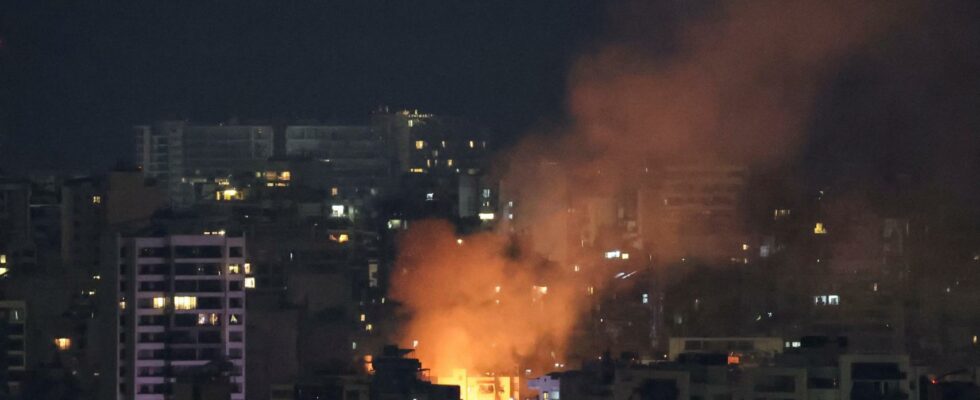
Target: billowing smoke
column 727, row 82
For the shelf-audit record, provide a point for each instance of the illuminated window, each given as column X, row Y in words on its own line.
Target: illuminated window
column 337, row 210
column 819, row 229
column 159, row 302
column 734, row 359
column 449, row 162
column 613, row 254
column 122, row 304
column 235, row 319
column 444, row 144
column 591, row 290
column 234, row 269
column 411, row 123
column 3, row 258
column 780, row 213
column 486, row 216
column 229, row 195
column 363, row 317
column 430, row 196
column 646, row 298
column 417, row 170
column 369, row 327
column 472, row 144
column 428, row 163
column 96, row 199
column 625, row 256
column 248, row 268
column 4, row 271
column 185, row 302
column 419, row 144
column 285, row 176
column 250, row 282
column 334, row 191
column 342, row 238
column 62, row 343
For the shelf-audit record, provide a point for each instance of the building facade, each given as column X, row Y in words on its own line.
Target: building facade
column 181, row 307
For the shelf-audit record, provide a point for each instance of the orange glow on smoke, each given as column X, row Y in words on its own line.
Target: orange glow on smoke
column 474, row 307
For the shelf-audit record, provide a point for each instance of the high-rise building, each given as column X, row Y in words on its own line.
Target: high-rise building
column 180, row 154
column 347, row 162
column 13, row 322
column 420, row 143
column 181, row 303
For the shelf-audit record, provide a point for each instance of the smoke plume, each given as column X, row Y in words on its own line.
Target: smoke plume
column 676, row 82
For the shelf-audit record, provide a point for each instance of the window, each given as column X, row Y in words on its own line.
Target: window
column 159, row 302
column 96, row 199
column 472, row 144
column 819, row 229
column 234, row 269
column 419, row 144
column 185, row 302
column 208, row 319
column 337, row 211
column 235, row 319
column 62, row 343
column 334, row 191
column 417, row 170
column 248, row 268
column 250, row 282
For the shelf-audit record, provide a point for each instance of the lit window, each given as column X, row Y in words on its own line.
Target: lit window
column 363, row 317
column 625, row 256
column 248, row 268
column 343, row 237
column 62, row 343
column 369, row 327
column 819, row 229
column 286, row 175
column 250, row 282
column 613, row 254
column 3, row 258
column 417, row 170
column 486, row 216
column 185, row 302
column 4, row 271
column 428, row 163
column 472, row 144
column 234, row 319
column 96, row 199
column 234, row 269
column 745, row 246
column 734, row 359
column 444, row 144
column 337, row 210
column 229, row 195
column 780, row 213
column 430, row 196
column 449, row 162
column 159, row 302
column 334, row 191
column 419, row 144
column 646, row 298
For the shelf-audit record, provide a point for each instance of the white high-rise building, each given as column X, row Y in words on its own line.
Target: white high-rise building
column 181, row 306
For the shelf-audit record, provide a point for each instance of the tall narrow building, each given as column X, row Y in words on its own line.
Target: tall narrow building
column 181, row 306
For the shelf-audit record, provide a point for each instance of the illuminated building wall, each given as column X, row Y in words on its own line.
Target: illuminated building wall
column 181, row 303
column 482, row 387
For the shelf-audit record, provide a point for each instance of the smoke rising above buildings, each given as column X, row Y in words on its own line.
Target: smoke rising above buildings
column 732, row 85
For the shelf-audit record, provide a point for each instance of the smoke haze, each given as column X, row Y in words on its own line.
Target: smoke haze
column 726, row 83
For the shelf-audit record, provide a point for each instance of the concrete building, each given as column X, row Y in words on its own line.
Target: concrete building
column 696, row 211
column 16, row 242
column 13, row 326
column 420, row 143
column 344, row 161
column 180, row 154
column 181, row 305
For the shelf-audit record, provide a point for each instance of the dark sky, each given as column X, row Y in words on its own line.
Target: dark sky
column 76, row 75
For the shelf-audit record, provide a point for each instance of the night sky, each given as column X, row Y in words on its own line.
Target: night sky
column 77, row 75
